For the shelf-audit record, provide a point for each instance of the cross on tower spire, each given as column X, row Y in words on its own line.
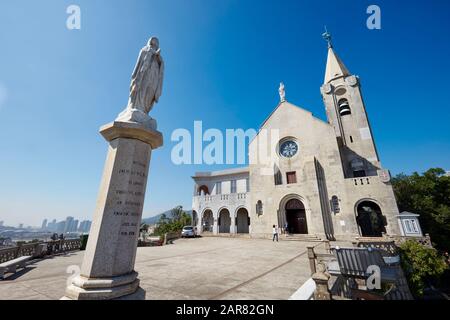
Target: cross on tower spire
column 327, row 36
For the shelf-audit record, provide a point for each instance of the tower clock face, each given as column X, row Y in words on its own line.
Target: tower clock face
column 288, row 149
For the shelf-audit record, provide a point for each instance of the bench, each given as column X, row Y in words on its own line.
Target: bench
column 12, row 265
column 353, row 262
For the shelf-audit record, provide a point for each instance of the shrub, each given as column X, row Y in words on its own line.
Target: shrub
column 84, row 240
column 421, row 265
column 179, row 218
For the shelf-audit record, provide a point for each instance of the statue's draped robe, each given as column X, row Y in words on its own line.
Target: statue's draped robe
column 146, row 80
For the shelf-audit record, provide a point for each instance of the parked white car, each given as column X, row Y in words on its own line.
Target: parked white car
column 188, row 231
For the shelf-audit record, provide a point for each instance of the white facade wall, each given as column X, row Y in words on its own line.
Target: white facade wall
column 241, row 185
column 226, row 187
column 226, row 201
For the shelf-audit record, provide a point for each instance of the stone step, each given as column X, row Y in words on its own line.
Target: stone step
column 225, row 235
column 301, row 237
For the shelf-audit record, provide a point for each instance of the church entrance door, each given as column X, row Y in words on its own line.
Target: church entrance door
column 296, row 217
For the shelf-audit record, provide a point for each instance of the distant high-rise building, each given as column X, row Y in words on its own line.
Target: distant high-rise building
column 85, row 226
column 68, row 224
column 60, row 227
column 82, row 226
column 20, row 225
column 44, row 224
column 52, row 225
column 74, row 226
column 1, row 223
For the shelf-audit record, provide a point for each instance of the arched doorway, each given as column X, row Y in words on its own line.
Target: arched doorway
column 370, row 219
column 224, row 221
column 207, row 221
column 242, row 221
column 296, row 217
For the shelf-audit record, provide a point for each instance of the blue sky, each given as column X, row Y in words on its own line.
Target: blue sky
column 224, row 61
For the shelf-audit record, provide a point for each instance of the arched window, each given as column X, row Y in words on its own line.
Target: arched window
column 335, row 204
column 277, row 176
column 344, row 107
column 259, row 208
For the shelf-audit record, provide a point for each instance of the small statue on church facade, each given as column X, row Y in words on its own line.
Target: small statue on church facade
column 282, row 92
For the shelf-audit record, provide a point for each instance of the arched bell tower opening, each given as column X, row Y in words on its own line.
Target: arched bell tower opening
column 344, row 107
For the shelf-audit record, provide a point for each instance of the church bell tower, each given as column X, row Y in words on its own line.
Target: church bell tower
column 346, row 112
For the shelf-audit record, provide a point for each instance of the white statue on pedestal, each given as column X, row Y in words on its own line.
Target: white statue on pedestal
column 146, row 85
column 282, row 92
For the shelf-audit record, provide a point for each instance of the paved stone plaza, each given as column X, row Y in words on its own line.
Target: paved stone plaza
column 202, row 268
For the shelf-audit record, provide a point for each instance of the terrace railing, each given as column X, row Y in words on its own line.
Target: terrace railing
column 39, row 249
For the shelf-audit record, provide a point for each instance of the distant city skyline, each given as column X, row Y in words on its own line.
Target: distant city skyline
column 69, row 224
column 48, row 222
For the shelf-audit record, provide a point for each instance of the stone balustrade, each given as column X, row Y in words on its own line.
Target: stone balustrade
column 398, row 240
column 39, row 249
column 220, row 198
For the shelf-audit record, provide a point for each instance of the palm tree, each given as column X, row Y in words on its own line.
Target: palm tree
column 177, row 213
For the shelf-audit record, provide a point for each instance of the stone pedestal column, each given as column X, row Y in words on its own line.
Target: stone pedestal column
column 107, row 271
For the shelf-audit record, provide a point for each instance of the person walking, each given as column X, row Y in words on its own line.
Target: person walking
column 275, row 233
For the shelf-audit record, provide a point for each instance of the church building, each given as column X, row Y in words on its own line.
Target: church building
column 327, row 181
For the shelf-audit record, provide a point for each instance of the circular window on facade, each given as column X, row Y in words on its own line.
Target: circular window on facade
column 288, row 148
column 340, row 91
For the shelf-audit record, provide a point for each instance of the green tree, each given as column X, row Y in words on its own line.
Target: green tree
column 428, row 195
column 421, row 264
column 178, row 219
column 143, row 227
